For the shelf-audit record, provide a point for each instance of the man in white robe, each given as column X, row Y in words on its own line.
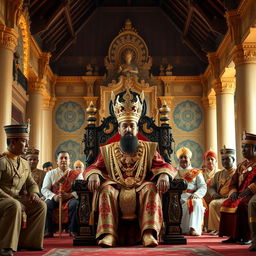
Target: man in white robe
column 191, row 199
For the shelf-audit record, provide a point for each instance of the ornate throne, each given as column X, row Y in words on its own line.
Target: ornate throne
column 107, row 132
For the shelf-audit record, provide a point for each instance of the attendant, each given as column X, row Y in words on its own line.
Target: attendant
column 47, row 166
column 53, row 194
column 209, row 170
column 38, row 174
column 22, row 217
column 219, row 188
column 79, row 166
column 234, row 210
column 191, row 199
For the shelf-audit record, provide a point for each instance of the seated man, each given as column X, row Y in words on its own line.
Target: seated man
column 210, row 162
column 47, row 166
column 219, row 188
column 191, row 199
column 37, row 174
column 122, row 178
column 234, row 210
column 53, row 194
column 14, row 174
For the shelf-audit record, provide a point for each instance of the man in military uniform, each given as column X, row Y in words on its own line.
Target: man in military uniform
column 15, row 176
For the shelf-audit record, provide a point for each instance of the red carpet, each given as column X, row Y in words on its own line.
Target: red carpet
column 204, row 245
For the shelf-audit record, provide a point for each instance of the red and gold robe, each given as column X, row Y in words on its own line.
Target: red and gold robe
column 234, row 214
column 125, row 177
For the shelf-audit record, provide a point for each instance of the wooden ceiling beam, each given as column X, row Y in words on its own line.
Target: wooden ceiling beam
column 57, row 25
column 41, row 3
column 45, row 24
column 33, row 3
column 81, row 10
column 188, row 21
column 78, row 17
column 62, row 49
column 217, row 8
column 69, row 20
column 210, row 25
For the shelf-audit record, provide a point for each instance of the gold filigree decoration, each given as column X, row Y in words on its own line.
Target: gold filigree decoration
column 146, row 129
column 245, row 53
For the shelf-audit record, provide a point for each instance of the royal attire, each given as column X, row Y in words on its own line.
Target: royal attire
column 192, row 209
column 15, row 175
column 234, row 214
column 125, row 179
column 51, row 187
column 220, row 185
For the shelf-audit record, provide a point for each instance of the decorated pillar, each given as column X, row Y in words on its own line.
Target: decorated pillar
column 34, row 111
column 209, row 103
column 245, row 64
column 225, row 89
column 47, row 120
column 8, row 42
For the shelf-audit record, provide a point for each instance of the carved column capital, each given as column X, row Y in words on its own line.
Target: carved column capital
column 13, row 10
column 214, row 64
column 37, row 86
column 245, row 53
column 43, row 62
column 49, row 102
column 225, row 85
column 209, row 102
column 234, row 24
column 8, row 38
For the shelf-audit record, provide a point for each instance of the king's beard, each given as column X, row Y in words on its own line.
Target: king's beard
column 129, row 143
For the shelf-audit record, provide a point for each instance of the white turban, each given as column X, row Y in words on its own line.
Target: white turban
column 184, row 151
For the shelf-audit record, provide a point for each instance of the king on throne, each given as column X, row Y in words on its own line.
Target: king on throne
column 128, row 178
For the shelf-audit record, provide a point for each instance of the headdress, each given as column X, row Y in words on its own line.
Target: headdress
column 78, row 162
column 16, row 131
column 128, row 110
column 32, row 151
column 248, row 138
column 227, row 152
column 211, row 154
column 184, row 151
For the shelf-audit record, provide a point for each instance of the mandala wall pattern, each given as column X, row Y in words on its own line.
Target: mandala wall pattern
column 74, row 149
column 197, row 157
column 69, row 116
column 187, row 116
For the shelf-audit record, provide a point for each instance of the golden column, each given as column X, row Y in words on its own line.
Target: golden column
column 46, row 143
column 225, row 89
column 8, row 42
column 37, row 89
column 209, row 103
column 245, row 61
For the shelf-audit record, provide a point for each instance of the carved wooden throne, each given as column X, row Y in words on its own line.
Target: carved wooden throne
column 105, row 133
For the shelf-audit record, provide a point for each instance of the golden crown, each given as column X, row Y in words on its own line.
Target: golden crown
column 128, row 110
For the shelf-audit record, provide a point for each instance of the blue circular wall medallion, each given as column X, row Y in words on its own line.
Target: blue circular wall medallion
column 197, row 152
column 74, row 150
column 187, row 116
column 69, row 116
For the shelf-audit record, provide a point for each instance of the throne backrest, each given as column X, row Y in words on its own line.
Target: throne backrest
column 107, row 132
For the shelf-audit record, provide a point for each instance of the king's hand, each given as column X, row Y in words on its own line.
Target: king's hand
column 93, row 182
column 163, row 183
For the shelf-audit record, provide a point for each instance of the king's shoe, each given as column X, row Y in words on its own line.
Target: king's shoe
column 107, row 241
column 149, row 240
